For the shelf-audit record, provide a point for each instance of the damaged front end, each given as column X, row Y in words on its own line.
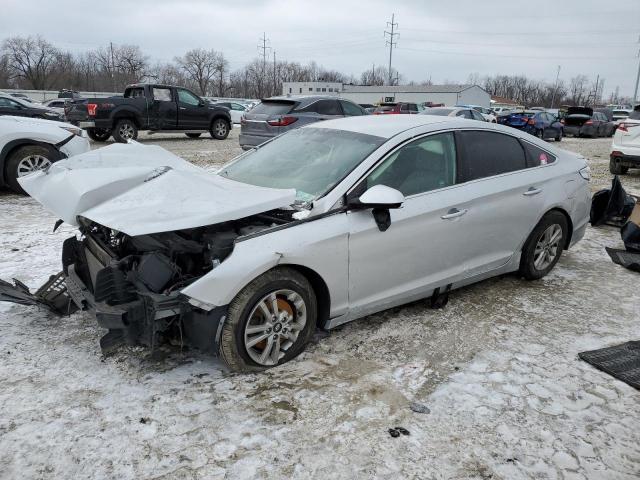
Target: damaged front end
column 133, row 283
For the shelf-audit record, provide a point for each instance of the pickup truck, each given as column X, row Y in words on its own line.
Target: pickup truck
column 152, row 107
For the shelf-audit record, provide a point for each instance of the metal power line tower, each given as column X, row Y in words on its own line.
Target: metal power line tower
column 391, row 42
column 635, row 89
column 263, row 46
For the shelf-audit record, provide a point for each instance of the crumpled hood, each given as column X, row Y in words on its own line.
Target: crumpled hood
column 139, row 189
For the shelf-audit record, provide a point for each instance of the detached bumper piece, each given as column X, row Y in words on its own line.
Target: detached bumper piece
column 53, row 295
column 620, row 361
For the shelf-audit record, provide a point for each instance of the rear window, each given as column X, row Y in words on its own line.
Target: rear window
column 486, row 154
column 272, row 108
column 536, row 156
column 621, row 113
column 438, row 111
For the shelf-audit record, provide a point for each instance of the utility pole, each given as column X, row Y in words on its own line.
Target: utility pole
column 274, row 73
column 373, row 74
column 635, row 90
column 264, row 49
column 555, row 87
column 113, row 67
column 391, row 42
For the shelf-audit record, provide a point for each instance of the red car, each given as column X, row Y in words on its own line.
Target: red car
column 396, row 108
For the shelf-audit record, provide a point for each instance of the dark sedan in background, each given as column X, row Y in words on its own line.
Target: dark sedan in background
column 584, row 122
column 277, row 115
column 463, row 112
column 538, row 123
column 19, row 107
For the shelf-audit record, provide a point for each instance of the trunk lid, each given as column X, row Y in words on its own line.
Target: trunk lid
column 255, row 120
column 138, row 189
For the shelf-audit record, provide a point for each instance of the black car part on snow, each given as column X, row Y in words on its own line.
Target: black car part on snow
column 620, row 361
column 611, row 206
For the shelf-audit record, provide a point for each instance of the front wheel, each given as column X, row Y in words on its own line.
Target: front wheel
column 544, row 246
column 98, row 134
column 23, row 161
column 269, row 322
column 220, row 129
column 125, row 130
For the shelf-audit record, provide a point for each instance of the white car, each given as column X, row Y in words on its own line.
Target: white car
column 319, row 226
column 625, row 149
column 30, row 144
column 57, row 104
column 236, row 110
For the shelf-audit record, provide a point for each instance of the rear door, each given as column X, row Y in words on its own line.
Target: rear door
column 164, row 109
column 351, row 109
column 502, row 198
column 193, row 113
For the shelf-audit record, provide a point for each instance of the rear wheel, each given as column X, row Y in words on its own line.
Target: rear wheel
column 24, row 161
column 220, row 129
column 544, row 246
column 193, row 135
column 559, row 136
column 616, row 168
column 98, row 134
column 269, row 322
column 125, row 130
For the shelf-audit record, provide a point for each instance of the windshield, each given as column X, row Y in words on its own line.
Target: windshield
column 311, row 160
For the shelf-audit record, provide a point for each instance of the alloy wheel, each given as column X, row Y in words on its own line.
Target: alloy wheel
column 32, row 163
column 274, row 325
column 221, row 128
column 547, row 247
column 126, row 131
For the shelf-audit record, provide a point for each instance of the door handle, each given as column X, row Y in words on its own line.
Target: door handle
column 532, row 191
column 454, row 213
column 183, row 108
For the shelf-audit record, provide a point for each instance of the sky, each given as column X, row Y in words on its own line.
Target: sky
column 438, row 40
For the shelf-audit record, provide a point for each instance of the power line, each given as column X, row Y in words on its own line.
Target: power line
column 533, row 32
column 391, row 43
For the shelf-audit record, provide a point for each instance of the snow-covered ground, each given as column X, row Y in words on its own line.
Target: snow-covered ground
column 498, row 369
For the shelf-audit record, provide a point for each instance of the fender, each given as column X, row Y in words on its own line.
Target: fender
column 127, row 111
column 56, row 154
column 321, row 245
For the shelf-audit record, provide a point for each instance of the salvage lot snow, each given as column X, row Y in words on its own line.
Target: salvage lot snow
column 497, row 368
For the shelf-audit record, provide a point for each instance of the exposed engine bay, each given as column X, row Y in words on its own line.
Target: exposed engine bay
column 133, row 283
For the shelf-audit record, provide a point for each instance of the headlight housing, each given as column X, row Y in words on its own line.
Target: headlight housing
column 75, row 130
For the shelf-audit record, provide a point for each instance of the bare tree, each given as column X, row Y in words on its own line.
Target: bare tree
column 32, row 59
column 201, row 67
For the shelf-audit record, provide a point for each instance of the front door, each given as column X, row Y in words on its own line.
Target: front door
column 192, row 113
column 422, row 248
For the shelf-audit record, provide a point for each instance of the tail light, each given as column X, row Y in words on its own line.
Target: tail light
column 589, row 122
column 91, row 109
column 282, row 121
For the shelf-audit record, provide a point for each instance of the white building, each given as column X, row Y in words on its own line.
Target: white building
column 448, row 95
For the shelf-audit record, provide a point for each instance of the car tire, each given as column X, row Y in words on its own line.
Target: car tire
column 543, row 248
column 559, row 136
column 193, row 135
column 220, row 129
column 98, row 134
column 244, row 311
column 616, row 168
column 540, row 133
column 125, row 130
column 25, row 160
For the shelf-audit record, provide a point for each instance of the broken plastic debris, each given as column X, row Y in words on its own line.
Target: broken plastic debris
column 419, row 408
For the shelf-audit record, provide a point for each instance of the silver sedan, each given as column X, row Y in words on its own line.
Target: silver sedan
column 320, row 226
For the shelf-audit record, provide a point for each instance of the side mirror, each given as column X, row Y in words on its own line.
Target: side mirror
column 381, row 199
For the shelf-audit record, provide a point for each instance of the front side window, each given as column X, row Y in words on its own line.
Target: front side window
column 485, row 154
column 310, row 160
column 188, row 98
column 328, row 107
column 8, row 103
column 420, row 166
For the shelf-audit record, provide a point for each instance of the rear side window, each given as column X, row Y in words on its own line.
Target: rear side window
column 350, row 109
column 162, row 94
column 536, row 156
column 135, row 92
column 272, row 108
column 328, row 107
column 486, row 154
